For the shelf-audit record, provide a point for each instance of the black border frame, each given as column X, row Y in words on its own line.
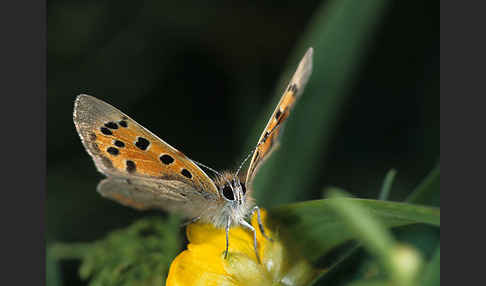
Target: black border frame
column 24, row 90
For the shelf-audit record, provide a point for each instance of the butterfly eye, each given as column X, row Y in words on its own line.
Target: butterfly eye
column 228, row 193
column 243, row 188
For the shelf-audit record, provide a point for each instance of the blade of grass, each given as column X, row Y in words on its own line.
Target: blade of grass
column 428, row 192
column 401, row 263
column 365, row 227
column 340, row 33
column 337, row 263
column 387, row 183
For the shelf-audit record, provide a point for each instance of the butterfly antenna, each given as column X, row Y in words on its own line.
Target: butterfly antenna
column 246, row 158
column 209, row 168
column 264, row 139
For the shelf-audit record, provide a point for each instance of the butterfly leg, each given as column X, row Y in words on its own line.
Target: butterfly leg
column 227, row 237
column 255, row 245
column 259, row 219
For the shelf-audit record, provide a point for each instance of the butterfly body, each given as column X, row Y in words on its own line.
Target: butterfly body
column 145, row 172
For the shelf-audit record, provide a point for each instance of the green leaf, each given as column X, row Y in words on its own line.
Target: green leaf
column 431, row 275
column 339, row 32
column 428, row 192
column 316, row 228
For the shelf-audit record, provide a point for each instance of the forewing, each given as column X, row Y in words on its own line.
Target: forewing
column 269, row 139
column 122, row 148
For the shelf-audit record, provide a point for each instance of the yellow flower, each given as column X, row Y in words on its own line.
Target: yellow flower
column 203, row 262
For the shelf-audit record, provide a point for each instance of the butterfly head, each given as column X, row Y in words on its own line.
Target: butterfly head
column 234, row 200
column 231, row 189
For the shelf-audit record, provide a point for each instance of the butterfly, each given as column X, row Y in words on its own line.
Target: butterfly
column 144, row 172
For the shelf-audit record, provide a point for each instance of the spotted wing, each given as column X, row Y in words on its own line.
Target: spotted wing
column 125, row 151
column 269, row 139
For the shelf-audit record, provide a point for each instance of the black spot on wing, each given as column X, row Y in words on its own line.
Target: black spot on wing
column 111, row 125
column 119, row 143
column 142, row 143
column 123, row 123
column 277, row 115
column 166, row 159
column 293, row 88
column 113, row 151
column 131, row 167
column 186, row 173
column 106, row 131
column 265, row 137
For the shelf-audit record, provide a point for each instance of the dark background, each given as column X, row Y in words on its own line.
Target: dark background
column 205, row 78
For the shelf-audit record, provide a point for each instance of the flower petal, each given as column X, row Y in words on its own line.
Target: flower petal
column 198, row 266
column 203, row 262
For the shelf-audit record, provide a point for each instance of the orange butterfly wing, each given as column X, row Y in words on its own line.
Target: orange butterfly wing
column 269, row 139
column 127, row 152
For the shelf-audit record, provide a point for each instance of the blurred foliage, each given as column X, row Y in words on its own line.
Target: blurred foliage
column 406, row 256
column 315, row 224
column 198, row 74
column 431, row 274
column 139, row 254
